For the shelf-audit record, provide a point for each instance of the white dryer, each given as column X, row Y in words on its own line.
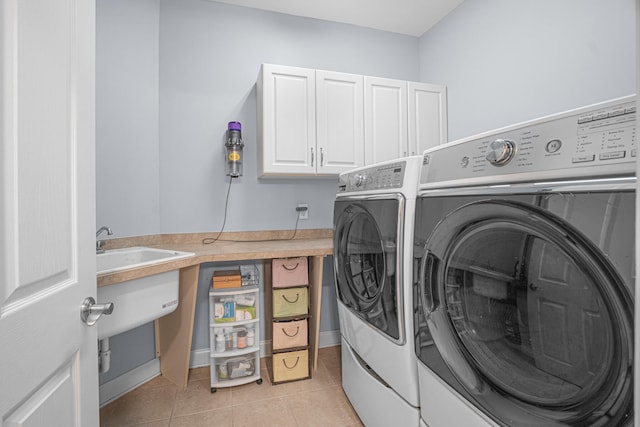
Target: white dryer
column 373, row 232
column 524, row 242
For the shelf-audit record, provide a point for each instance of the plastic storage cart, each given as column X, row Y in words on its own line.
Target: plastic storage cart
column 234, row 329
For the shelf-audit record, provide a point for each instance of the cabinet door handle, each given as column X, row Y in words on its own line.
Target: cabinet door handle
column 312, row 156
column 291, row 302
column 321, row 157
column 291, row 336
column 284, row 362
column 292, row 268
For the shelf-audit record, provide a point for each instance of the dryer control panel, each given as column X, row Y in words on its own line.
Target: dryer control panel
column 384, row 176
column 594, row 141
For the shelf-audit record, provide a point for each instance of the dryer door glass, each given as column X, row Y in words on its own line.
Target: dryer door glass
column 365, row 254
column 518, row 301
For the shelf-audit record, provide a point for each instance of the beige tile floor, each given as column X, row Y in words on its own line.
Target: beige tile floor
column 319, row 401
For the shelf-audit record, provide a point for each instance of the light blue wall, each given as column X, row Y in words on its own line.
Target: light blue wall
column 127, row 81
column 171, row 74
column 210, row 56
column 509, row 61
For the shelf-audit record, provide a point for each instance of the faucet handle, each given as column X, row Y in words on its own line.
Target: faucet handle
column 99, row 248
column 104, row 228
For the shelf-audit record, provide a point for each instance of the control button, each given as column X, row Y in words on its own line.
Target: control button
column 553, row 145
column 616, row 112
column 600, row 116
column 630, row 110
column 633, row 152
column 612, row 155
column 502, row 151
column 583, row 159
column 584, row 119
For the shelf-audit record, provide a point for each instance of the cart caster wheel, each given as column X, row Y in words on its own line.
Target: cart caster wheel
column 213, row 389
column 259, row 381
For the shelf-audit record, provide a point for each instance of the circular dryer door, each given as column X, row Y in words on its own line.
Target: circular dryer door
column 529, row 316
column 365, row 256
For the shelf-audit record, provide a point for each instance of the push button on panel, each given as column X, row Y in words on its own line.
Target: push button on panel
column 553, row 146
column 583, row 159
column 612, row 155
column 616, row 112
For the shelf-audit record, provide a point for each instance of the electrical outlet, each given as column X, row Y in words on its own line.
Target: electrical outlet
column 303, row 211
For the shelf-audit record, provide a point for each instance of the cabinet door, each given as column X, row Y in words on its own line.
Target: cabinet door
column 385, row 119
column 340, row 122
column 287, row 110
column 427, row 116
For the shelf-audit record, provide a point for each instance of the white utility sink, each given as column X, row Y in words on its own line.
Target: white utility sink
column 137, row 301
column 115, row 260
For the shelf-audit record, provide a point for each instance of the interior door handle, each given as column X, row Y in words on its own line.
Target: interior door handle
column 90, row 312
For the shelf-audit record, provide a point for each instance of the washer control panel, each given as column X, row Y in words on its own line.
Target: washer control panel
column 598, row 140
column 387, row 176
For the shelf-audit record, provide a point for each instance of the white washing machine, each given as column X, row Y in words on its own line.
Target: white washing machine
column 373, row 232
column 524, row 242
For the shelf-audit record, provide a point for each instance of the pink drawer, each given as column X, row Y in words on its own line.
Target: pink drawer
column 290, row 334
column 287, row 272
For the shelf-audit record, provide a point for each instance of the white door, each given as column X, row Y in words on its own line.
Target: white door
column 385, row 119
column 339, row 121
column 48, row 356
column 427, row 116
column 287, row 111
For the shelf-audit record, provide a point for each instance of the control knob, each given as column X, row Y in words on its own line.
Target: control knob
column 501, row 151
column 360, row 179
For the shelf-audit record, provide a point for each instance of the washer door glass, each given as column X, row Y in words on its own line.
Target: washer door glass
column 365, row 262
column 521, row 305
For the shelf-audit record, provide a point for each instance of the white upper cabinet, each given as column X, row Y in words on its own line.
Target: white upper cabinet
column 385, row 119
column 310, row 121
column 321, row 123
column 427, row 116
column 339, row 118
column 402, row 118
column 286, row 120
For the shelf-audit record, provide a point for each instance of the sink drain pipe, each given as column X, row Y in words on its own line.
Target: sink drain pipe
column 104, row 355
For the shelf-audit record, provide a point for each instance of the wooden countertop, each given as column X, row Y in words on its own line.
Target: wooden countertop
column 228, row 247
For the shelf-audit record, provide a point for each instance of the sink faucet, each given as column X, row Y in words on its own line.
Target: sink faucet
column 99, row 248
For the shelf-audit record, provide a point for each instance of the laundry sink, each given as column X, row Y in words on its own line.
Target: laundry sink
column 115, row 260
column 137, row 301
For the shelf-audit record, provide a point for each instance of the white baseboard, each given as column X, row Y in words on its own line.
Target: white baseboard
column 329, row 339
column 199, row 358
column 115, row 388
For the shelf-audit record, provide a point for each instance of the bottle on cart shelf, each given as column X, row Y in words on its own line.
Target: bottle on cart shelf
column 242, row 339
column 234, row 339
column 251, row 337
column 228, row 340
column 220, row 343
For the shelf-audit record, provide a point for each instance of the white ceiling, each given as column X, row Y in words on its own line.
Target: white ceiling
column 410, row 17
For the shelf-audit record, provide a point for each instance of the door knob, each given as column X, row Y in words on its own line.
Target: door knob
column 90, row 312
